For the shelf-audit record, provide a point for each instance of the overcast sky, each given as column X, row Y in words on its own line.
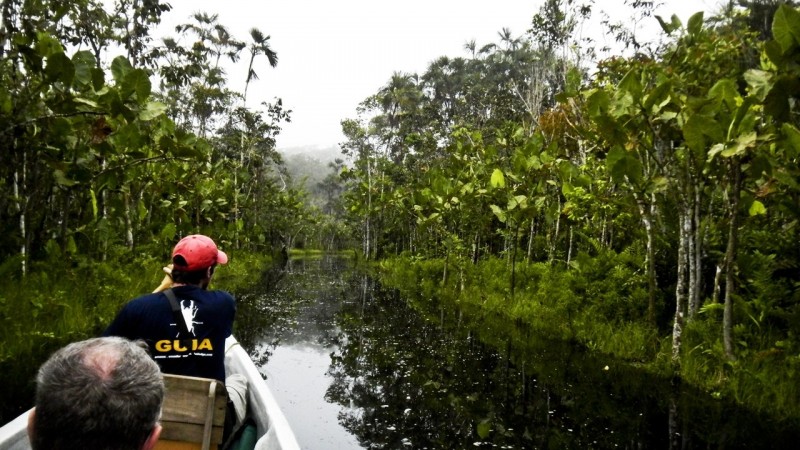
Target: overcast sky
column 335, row 53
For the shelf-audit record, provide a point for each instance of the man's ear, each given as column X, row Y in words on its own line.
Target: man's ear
column 31, row 419
column 153, row 438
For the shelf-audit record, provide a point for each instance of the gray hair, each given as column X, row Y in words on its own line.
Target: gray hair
column 102, row 393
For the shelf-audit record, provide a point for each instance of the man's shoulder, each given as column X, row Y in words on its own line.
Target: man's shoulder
column 199, row 293
column 144, row 301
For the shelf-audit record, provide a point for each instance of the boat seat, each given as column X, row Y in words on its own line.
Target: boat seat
column 193, row 415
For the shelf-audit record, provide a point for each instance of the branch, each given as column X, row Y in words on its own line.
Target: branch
column 36, row 119
column 140, row 161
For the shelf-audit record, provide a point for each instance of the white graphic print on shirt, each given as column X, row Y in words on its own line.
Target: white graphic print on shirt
column 189, row 312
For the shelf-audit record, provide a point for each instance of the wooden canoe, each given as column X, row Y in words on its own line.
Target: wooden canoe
column 273, row 431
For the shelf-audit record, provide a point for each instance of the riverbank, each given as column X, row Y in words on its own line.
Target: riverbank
column 57, row 303
column 605, row 311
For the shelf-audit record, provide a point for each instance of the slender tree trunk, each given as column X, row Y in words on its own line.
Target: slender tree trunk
column 369, row 211
column 21, row 202
column 128, row 221
column 691, row 261
column 697, row 256
column 645, row 211
column 514, row 261
column 530, row 238
column 680, row 287
column 717, row 283
column 475, row 245
column 555, row 233
column 569, row 246
column 730, row 260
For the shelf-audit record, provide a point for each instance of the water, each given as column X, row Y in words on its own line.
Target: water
column 355, row 366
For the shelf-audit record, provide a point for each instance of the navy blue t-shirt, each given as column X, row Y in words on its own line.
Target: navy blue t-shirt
column 209, row 320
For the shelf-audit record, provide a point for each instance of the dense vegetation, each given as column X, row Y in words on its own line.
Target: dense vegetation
column 643, row 205
column 646, row 207
column 116, row 144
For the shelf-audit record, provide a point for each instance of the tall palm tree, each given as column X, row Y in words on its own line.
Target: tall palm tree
column 259, row 46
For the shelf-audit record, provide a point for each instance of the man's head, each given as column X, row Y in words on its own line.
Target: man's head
column 102, row 393
column 194, row 259
column 197, row 252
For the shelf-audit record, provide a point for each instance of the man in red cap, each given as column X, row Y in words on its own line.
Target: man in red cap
column 185, row 326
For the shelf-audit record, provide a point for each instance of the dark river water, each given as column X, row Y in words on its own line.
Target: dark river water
column 354, row 365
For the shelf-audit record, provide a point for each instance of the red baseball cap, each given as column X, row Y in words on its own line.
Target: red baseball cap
column 199, row 252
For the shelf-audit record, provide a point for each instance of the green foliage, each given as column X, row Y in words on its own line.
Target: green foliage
column 98, row 158
column 58, row 303
column 601, row 217
column 581, row 305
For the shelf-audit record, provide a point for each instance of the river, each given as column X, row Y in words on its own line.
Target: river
column 354, row 365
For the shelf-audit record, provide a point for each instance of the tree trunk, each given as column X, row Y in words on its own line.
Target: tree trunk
column 730, row 260
column 680, row 286
column 128, row 221
column 19, row 186
column 717, row 284
column 514, row 261
column 555, row 233
column 645, row 211
column 569, row 246
column 369, row 211
column 697, row 257
column 530, row 238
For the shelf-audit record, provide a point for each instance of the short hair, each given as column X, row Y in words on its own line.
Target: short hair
column 101, row 393
column 193, row 277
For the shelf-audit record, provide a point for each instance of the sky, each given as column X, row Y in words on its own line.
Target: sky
column 333, row 54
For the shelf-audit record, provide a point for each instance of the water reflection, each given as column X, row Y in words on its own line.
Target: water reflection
column 356, row 366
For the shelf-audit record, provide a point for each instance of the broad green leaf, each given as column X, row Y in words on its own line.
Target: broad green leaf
column 142, row 210
column 499, row 213
column 658, row 184
column 697, row 128
column 62, row 179
column 658, row 96
column 760, row 83
column 623, row 166
column 517, row 201
column 72, row 247
column 168, row 232
column 84, row 62
column 786, row 27
column 744, row 120
column 597, row 103
column 757, row 208
column 498, row 179
column 792, row 136
column 136, row 82
column 715, row 150
column 675, row 24
column 60, row 69
column 741, row 145
column 94, row 203
column 85, row 101
column 774, row 52
column 152, row 110
column 119, row 68
column 98, row 78
column 111, row 101
column 484, row 428
column 724, row 91
column 695, row 23
column 630, row 85
column 47, row 45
